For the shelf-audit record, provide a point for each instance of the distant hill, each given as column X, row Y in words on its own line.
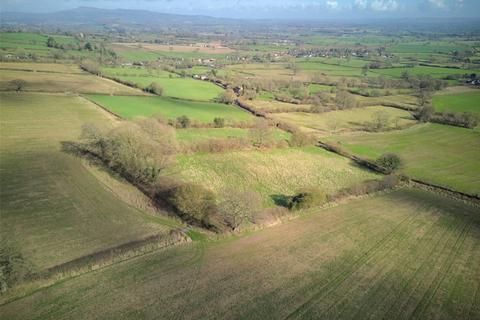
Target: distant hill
column 95, row 16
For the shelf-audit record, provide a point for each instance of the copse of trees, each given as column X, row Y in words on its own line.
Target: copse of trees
column 389, row 162
column 154, row 88
column 91, row 66
column 227, row 97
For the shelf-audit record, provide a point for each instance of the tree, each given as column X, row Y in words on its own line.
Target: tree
column 389, row 162
column 239, row 207
column 219, row 122
column 261, row 134
column 90, row 66
column 183, row 122
column 300, row 139
column 88, row 46
column 308, row 198
column 193, row 201
column 51, row 43
column 18, row 84
column 227, row 97
column 380, row 120
column 425, row 113
column 155, row 88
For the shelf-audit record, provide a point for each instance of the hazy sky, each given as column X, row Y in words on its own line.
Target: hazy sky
column 269, row 8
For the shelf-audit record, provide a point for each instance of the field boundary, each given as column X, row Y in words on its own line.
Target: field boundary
column 102, row 107
column 102, row 259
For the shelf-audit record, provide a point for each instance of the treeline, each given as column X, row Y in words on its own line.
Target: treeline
column 460, row 119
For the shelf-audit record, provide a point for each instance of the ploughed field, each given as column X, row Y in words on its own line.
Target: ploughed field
column 435, row 153
column 408, row 254
column 55, row 206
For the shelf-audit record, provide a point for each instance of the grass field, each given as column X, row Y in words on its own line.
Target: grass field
column 273, row 105
column 194, row 134
column 459, row 102
column 55, row 207
column 439, row 154
column 132, row 107
column 64, row 82
column 342, row 121
column 435, row 72
column 42, row 67
column 403, row 255
column 173, row 85
column 273, row 172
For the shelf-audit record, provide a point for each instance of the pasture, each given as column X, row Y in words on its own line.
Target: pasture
column 271, row 173
column 197, row 134
column 41, row 67
column 434, row 153
column 130, row 107
column 63, row 82
column 275, row 106
column 468, row 101
column 56, row 207
column 407, row 254
column 435, row 72
column 172, row 84
column 344, row 121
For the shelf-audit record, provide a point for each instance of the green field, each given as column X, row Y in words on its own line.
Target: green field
column 55, row 207
column 460, row 102
column 343, row 121
column 172, row 84
column 403, row 255
column 440, row 154
column 435, row 72
column 272, row 172
column 131, row 107
column 194, row 134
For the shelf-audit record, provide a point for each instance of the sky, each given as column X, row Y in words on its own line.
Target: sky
column 285, row 9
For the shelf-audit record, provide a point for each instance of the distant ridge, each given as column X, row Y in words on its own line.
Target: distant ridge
column 90, row 16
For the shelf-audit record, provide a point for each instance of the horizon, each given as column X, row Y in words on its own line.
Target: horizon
column 271, row 10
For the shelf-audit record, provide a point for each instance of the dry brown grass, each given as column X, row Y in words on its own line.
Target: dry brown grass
column 65, row 83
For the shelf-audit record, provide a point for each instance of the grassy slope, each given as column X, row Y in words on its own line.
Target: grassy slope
column 435, row 153
column 53, row 206
column 64, row 82
column 194, row 134
column 342, row 120
column 274, row 172
column 461, row 102
column 131, row 107
column 407, row 254
column 174, row 86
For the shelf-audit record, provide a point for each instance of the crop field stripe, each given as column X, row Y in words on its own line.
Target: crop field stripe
column 397, row 306
column 344, row 275
column 440, row 276
column 374, row 294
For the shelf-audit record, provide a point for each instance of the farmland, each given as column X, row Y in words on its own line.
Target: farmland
column 272, row 173
column 54, row 207
column 435, row 156
column 63, row 82
column 132, row 107
column 343, row 121
column 408, row 249
column 459, row 102
column 194, row 134
column 172, row 84
column 181, row 166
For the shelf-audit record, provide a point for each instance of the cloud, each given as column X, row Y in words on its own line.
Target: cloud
column 385, row 5
column 361, row 4
column 437, row 3
column 332, row 4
